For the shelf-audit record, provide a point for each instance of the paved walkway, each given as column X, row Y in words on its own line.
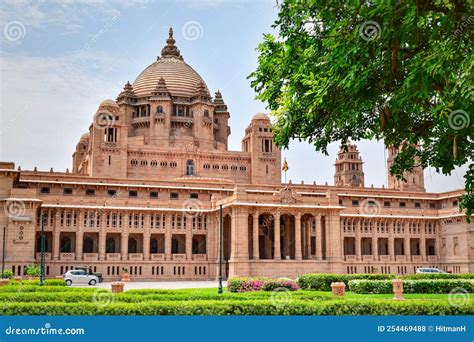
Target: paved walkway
column 161, row 284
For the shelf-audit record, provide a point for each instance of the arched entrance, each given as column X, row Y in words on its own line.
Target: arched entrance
column 266, row 236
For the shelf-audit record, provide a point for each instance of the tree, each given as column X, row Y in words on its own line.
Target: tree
column 397, row 71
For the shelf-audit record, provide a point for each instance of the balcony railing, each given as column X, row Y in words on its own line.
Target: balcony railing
column 350, row 257
column 200, row 257
column 67, row 256
column 113, row 256
column 432, row 258
column 135, row 256
column 47, row 256
column 400, row 257
column 91, row 257
column 384, row 257
column 157, row 256
column 416, row 258
column 367, row 257
column 179, row 257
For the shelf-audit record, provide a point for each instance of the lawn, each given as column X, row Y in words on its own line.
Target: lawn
column 61, row 300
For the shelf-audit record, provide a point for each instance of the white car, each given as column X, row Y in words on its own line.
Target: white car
column 79, row 277
column 429, row 270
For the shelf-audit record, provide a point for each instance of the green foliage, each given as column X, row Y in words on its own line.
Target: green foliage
column 411, row 286
column 47, row 282
column 327, row 79
column 245, row 284
column 438, row 276
column 7, row 274
column 241, row 307
column 322, row 282
column 33, row 270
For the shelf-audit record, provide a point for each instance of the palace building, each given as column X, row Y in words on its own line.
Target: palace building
column 149, row 177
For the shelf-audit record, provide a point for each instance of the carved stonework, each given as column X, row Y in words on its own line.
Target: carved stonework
column 287, row 196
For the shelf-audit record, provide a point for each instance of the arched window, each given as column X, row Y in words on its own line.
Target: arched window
column 189, row 167
column 88, row 245
column 206, row 113
column 65, row 246
column 159, row 109
column 132, row 245
column 110, row 245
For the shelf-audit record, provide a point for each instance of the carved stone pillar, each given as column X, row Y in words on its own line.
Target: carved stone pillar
column 319, row 238
column 298, row 254
column 277, row 250
column 255, row 229
column 189, row 237
column 168, row 237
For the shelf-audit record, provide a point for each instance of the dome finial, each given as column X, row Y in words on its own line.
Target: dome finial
column 170, row 50
column 171, row 32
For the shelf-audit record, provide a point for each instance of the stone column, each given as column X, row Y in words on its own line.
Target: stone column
column 79, row 238
column 102, row 235
column 358, row 240
column 255, row 228
column 56, row 235
column 168, row 237
column 319, row 236
column 298, row 255
column 423, row 242
column 189, row 238
column 407, row 246
column 391, row 241
column 375, row 252
column 277, row 250
column 146, row 237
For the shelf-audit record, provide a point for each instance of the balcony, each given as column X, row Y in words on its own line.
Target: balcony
column 90, row 257
column 179, row 257
column 141, row 122
column 157, row 256
column 47, row 256
column 432, row 258
column 186, row 120
column 67, row 256
column 367, row 257
column 384, row 257
column 200, row 257
column 350, row 257
column 400, row 257
column 135, row 256
column 113, row 256
column 416, row 258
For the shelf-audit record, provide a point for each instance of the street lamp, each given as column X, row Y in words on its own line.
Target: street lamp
column 220, row 250
column 43, row 217
column 3, row 251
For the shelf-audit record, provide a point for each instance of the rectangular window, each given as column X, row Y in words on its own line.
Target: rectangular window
column 132, row 193
column 112, row 193
column 432, row 206
column 355, row 202
column 194, row 195
column 417, row 205
column 174, row 195
column 45, row 190
column 402, row 205
column 386, row 204
column 455, row 203
column 90, row 192
column 153, row 194
column 67, row 191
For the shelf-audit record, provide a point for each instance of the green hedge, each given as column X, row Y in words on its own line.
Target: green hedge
column 247, row 307
column 438, row 276
column 322, row 282
column 45, row 288
column 48, row 282
column 411, row 286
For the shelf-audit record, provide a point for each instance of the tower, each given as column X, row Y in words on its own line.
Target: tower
column 415, row 180
column 265, row 155
column 349, row 170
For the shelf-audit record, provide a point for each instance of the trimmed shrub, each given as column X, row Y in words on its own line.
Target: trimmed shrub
column 247, row 307
column 47, row 282
column 238, row 284
column 411, row 286
column 7, row 274
column 322, row 281
column 438, row 276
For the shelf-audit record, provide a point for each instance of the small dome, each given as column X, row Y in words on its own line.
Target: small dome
column 85, row 136
column 108, row 103
column 261, row 116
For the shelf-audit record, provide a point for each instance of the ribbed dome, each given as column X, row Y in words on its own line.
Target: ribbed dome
column 180, row 78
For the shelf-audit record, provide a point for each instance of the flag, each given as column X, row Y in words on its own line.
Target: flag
column 285, row 166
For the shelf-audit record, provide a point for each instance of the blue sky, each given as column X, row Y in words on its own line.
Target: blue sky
column 60, row 59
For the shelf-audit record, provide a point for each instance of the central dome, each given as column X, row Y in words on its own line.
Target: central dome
column 181, row 79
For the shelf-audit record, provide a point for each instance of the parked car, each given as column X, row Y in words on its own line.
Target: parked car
column 79, row 277
column 89, row 271
column 429, row 270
